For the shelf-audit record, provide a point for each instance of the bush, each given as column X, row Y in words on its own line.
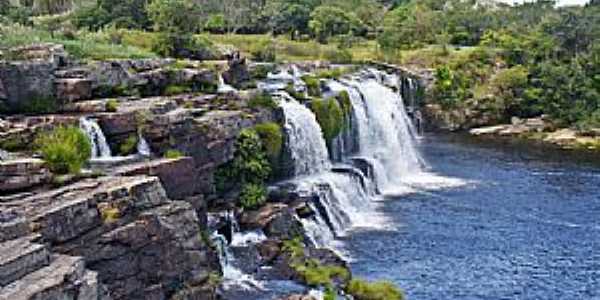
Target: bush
column 330, row 117
column 173, row 154
column 249, row 164
column 65, row 149
column 316, row 274
column 271, row 137
column 313, row 84
column 129, row 146
column 112, row 105
column 262, row 100
column 383, row 290
column 253, row 196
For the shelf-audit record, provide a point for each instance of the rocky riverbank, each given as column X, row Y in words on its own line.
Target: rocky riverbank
column 148, row 218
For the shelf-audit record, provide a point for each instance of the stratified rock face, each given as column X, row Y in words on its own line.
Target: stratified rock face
column 20, row 174
column 136, row 241
column 26, row 84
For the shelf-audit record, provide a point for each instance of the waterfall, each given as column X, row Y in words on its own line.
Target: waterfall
column 143, row 148
column 386, row 135
column 223, row 87
column 100, row 148
column 305, row 140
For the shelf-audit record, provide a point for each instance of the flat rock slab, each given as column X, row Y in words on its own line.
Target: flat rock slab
column 24, row 173
column 64, row 278
column 20, row 257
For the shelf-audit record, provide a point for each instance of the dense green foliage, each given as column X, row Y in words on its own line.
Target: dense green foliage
column 247, row 172
column 65, row 149
column 253, row 196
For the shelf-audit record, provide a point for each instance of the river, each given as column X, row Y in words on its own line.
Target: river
column 525, row 225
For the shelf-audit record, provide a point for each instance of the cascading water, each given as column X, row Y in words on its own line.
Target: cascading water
column 143, row 148
column 100, row 148
column 343, row 199
column 305, row 140
column 386, row 135
column 224, row 88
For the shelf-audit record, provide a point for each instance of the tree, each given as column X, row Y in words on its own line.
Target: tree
column 327, row 21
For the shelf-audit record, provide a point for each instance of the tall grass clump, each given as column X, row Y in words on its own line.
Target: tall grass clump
column 65, row 149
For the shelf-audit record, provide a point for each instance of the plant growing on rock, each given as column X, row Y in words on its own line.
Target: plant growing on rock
column 253, row 196
column 173, row 154
column 248, row 170
column 262, row 100
column 313, row 84
column 330, row 117
column 271, row 137
column 129, row 145
column 65, row 149
column 112, row 105
column 382, row 290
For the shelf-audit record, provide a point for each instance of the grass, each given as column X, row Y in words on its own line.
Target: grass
column 288, row 50
column 64, row 149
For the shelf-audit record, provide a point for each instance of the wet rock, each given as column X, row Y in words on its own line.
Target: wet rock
column 284, row 226
column 21, row 174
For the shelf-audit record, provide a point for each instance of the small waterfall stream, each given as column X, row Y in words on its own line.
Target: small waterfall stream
column 100, row 148
column 224, row 88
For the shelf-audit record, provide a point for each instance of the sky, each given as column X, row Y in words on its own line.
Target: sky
column 560, row 2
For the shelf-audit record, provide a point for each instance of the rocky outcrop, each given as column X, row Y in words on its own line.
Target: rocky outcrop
column 134, row 240
column 21, row 174
column 237, row 71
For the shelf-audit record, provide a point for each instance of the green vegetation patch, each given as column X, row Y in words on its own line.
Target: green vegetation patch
column 129, row 145
column 173, row 154
column 65, row 149
column 382, row 290
column 330, row 117
column 271, row 136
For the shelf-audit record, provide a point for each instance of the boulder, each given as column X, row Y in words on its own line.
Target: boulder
column 258, row 219
column 237, row 71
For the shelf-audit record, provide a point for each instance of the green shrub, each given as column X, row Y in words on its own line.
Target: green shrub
column 294, row 247
column 112, row 105
column 316, row 274
column 313, row 84
column 344, row 100
column 383, row 290
column 262, row 100
column 174, row 89
column 173, row 154
column 65, row 149
column 40, row 105
column 129, row 146
column 330, row 117
column 253, row 196
column 271, row 137
column 249, row 164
